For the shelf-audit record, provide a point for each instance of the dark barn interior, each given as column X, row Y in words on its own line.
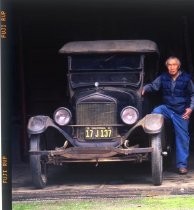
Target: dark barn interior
column 36, row 78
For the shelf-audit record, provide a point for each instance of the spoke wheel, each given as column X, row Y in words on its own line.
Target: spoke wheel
column 38, row 162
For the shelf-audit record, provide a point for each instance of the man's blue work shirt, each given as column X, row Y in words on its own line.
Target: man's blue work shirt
column 156, row 85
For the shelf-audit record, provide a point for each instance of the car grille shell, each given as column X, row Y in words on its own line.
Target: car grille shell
column 95, row 114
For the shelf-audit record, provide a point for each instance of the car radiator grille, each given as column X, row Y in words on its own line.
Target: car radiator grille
column 92, row 114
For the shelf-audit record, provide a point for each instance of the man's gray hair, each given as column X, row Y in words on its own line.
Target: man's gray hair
column 173, row 58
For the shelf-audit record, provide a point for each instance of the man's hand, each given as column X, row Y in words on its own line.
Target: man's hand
column 142, row 92
column 187, row 113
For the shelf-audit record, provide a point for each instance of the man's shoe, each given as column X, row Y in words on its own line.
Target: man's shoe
column 183, row 171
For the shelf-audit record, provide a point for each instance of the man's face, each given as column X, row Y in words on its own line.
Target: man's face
column 173, row 67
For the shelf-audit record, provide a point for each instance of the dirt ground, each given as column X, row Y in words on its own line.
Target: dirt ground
column 108, row 180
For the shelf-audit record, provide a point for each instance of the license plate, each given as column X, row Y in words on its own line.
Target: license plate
column 98, row 132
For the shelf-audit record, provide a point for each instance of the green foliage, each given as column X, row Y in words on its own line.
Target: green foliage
column 145, row 203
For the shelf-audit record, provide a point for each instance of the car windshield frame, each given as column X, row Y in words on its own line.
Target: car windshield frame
column 91, row 78
column 108, row 62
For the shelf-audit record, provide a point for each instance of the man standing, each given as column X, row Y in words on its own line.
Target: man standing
column 178, row 103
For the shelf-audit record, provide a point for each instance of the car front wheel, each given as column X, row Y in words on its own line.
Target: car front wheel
column 157, row 159
column 38, row 162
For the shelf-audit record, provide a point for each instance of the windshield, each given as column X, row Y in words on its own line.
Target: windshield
column 105, row 78
column 105, row 62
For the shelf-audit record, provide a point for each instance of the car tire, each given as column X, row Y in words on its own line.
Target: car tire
column 38, row 162
column 157, row 159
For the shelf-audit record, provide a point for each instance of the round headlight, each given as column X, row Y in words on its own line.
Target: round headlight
column 62, row 116
column 129, row 115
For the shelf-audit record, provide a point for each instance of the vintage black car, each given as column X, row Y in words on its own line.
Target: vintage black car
column 107, row 118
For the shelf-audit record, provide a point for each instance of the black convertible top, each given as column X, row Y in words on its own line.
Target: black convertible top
column 109, row 46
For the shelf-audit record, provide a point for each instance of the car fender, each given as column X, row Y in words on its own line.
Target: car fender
column 38, row 124
column 151, row 124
